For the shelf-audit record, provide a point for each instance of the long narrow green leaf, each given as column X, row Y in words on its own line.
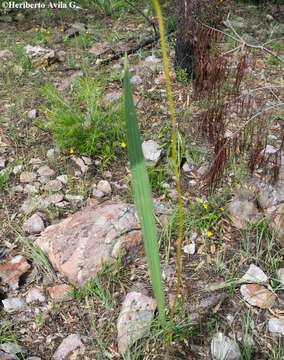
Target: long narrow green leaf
column 142, row 195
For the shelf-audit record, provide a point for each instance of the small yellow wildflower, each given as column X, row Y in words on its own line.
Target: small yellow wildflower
column 123, row 145
column 205, row 205
column 71, row 151
column 222, row 209
column 209, row 233
column 62, row 29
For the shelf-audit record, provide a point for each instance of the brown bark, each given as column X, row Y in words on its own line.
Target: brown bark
column 190, row 15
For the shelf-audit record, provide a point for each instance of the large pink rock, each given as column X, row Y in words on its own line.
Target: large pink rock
column 79, row 245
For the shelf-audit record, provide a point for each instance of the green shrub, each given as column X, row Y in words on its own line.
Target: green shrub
column 82, row 123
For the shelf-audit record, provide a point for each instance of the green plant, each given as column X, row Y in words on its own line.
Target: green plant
column 182, row 76
column 142, row 195
column 246, row 344
column 83, row 123
column 4, row 179
column 22, row 58
column 6, row 332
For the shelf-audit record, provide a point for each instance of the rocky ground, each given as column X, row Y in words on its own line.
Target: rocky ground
column 74, row 281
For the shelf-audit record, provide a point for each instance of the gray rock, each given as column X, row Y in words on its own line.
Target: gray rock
column 189, row 249
column 27, row 177
column 12, row 348
column 5, row 55
column 276, row 325
column 152, row 59
column 63, row 179
column 188, row 166
column 254, row 275
column 74, row 198
column 13, row 304
column 17, row 169
column 112, row 97
column 81, row 27
column 79, row 245
column 34, row 225
column 2, row 163
column 34, row 203
column 134, row 320
column 30, row 189
column 280, row 274
column 98, row 194
column 224, row 348
column 104, row 187
column 68, row 345
column 268, row 195
column 35, row 295
column 55, row 198
column 243, row 212
column 81, row 164
column 136, row 80
column 62, row 204
column 88, row 161
column 50, row 154
column 45, row 171
column 32, row 114
column 36, row 162
column 203, row 169
column 53, row 186
column 151, row 151
column 18, row 188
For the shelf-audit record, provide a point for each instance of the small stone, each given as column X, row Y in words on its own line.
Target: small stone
column 17, row 169
column 2, row 163
column 43, row 179
column 18, row 188
column 12, row 349
column 34, row 225
column 257, row 295
column 62, row 204
column 277, row 224
column 68, row 345
column 32, row 114
column 5, row 55
column 30, row 189
column 134, row 320
column 151, row 151
column 189, row 249
column 80, row 163
column 276, row 325
column 60, row 292
column 45, row 171
column 51, row 153
column 87, row 160
column 269, row 17
column 203, row 169
column 98, row 194
column 35, row 162
column 136, row 80
column 53, row 186
column 74, row 198
column 13, row 304
column 107, row 174
column 63, row 179
column 32, row 204
column 254, row 275
column 188, row 166
column 55, row 198
column 243, row 212
column 104, row 186
column 152, row 60
column 35, row 295
column 280, row 274
column 224, row 348
column 13, row 269
column 27, row 177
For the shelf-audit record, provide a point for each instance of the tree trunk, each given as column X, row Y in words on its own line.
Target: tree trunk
column 184, row 46
column 191, row 44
